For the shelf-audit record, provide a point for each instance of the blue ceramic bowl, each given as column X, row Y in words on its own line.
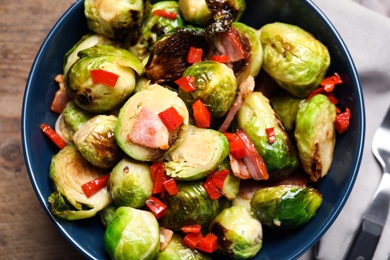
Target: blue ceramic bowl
column 87, row 235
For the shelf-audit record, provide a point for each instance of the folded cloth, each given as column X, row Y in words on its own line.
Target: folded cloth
column 366, row 35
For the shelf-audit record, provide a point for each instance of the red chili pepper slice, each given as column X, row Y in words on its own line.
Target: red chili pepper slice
column 220, row 58
column 208, row 243
column 194, row 55
column 186, row 83
column 171, row 118
column 156, row 206
column 191, row 229
column 342, row 121
column 330, row 82
column 53, row 135
column 271, row 134
column 201, row 114
column 237, row 147
column 92, row 187
column 157, row 170
column 170, row 186
column 192, row 240
column 107, row 78
column 165, row 13
column 214, row 184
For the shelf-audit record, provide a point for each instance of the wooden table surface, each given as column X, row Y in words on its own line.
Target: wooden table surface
column 25, row 230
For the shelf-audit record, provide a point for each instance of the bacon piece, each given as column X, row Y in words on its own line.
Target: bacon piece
column 229, row 43
column 148, row 130
column 239, row 168
column 165, row 237
column 61, row 97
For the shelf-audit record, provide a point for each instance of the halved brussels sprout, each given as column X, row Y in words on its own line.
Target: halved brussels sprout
column 99, row 97
column 240, row 236
column 294, row 58
column 176, row 250
column 155, row 26
column 254, row 117
column 285, row 206
column 140, row 132
column 114, row 18
column 286, row 106
column 96, row 142
column 130, row 183
column 87, row 41
column 132, row 234
column 68, row 172
column 190, row 206
column 216, row 86
column 315, row 135
column 70, row 120
column 198, row 154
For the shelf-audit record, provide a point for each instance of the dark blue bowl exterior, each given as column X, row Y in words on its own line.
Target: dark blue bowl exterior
column 87, row 235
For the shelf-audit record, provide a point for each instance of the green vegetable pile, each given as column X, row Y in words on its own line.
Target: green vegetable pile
column 188, row 132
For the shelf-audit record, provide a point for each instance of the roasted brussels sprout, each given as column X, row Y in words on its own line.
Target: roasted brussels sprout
column 231, row 185
column 68, row 172
column 114, row 19
column 107, row 214
column 190, row 206
column 198, row 154
column 216, row 86
column 70, row 120
column 285, row 206
column 196, row 12
column 130, row 183
column 155, row 26
column 96, row 142
column 87, row 41
column 100, row 97
column 294, row 58
column 240, row 236
column 286, row 107
column 315, row 135
column 254, row 117
column 176, row 250
column 140, row 132
column 132, row 234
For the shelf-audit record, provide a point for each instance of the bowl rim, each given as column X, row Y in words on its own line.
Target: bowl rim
column 361, row 121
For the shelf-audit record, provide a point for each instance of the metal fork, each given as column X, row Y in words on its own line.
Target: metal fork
column 374, row 218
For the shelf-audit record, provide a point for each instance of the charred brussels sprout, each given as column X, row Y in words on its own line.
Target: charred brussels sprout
column 68, row 172
column 132, row 234
column 87, row 41
column 113, row 18
column 70, row 120
column 240, row 236
column 130, row 183
column 140, row 132
column 155, row 26
column 176, row 250
column 294, row 58
column 285, row 206
column 96, row 142
column 99, row 97
column 215, row 85
column 190, row 206
column 198, row 154
column 254, row 117
column 286, row 106
column 315, row 135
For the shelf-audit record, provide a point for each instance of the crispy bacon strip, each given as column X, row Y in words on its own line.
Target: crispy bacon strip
column 61, row 98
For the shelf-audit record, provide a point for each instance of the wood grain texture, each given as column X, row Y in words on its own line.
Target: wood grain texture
column 25, row 230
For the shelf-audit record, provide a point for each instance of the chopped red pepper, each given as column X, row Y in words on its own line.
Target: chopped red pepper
column 237, row 147
column 194, row 55
column 214, row 184
column 186, row 83
column 53, row 135
column 92, row 187
column 156, row 206
column 271, row 134
column 192, row 240
column 165, row 13
column 208, row 243
column 201, row 114
column 330, row 82
column 171, row 118
column 157, row 170
column 220, row 58
column 170, row 186
column 191, row 229
column 342, row 121
column 107, row 78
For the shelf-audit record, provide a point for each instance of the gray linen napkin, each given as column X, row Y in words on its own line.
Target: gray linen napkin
column 366, row 34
